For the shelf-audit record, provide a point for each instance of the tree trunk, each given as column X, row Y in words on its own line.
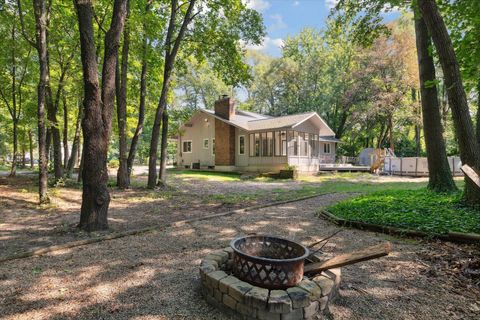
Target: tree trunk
column 75, row 145
column 418, row 129
column 143, row 94
column 98, row 106
column 65, row 131
column 80, row 168
column 123, row 181
column 439, row 174
column 13, row 169
column 478, row 113
column 170, row 55
column 390, row 132
column 469, row 152
column 30, row 143
column 163, row 150
column 23, row 156
column 41, row 22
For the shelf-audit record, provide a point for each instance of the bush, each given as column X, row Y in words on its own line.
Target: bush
column 114, row 163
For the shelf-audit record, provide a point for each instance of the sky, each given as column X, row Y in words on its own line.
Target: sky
column 284, row 18
column 288, row 17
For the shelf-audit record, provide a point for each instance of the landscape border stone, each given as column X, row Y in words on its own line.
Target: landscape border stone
column 457, row 237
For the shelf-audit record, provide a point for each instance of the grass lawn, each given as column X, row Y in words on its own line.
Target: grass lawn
column 206, row 175
column 419, row 209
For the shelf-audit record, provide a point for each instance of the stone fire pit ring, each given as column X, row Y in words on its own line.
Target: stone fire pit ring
column 307, row 300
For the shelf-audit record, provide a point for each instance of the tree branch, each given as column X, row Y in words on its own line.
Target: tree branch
column 24, row 33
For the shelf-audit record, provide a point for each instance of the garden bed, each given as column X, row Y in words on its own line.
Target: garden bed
column 416, row 210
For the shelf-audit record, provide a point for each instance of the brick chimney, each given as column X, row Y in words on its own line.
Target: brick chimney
column 225, row 107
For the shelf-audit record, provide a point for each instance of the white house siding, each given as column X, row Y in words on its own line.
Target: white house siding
column 199, row 130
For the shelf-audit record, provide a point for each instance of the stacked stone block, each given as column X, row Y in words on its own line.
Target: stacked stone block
column 307, row 300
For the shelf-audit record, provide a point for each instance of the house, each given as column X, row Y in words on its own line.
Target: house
column 227, row 139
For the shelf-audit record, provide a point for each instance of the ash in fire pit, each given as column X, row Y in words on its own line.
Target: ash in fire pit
column 306, row 299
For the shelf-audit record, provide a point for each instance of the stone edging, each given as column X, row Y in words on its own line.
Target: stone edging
column 72, row 244
column 457, row 237
column 243, row 301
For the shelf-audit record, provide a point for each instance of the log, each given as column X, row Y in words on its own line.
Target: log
column 368, row 253
column 471, row 174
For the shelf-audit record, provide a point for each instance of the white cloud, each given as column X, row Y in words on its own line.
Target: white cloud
column 296, row 3
column 278, row 23
column 259, row 5
column 331, row 3
column 267, row 45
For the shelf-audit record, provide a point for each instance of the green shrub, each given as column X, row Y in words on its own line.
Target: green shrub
column 114, row 163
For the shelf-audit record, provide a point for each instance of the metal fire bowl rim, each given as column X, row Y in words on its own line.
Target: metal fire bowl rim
column 270, row 260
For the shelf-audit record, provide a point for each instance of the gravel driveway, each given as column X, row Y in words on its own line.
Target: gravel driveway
column 154, row 275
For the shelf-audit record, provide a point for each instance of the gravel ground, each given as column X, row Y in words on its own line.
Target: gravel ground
column 154, row 276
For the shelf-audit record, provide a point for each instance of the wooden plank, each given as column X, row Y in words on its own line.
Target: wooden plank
column 368, row 253
column 471, row 174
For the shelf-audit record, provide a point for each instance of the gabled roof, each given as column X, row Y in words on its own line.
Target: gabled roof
column 251, row 121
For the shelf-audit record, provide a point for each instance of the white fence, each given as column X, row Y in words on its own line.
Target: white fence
column 416, row 166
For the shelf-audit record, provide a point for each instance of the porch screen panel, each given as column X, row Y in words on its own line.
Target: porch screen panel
column 305, row 144
column 257, row 144
column 283, row 137
column 269, row 142
column 264, row 144
column 251, row 146
column 278, row 144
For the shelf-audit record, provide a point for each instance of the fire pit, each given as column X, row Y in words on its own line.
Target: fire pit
column 265, row 277
column 269, row 262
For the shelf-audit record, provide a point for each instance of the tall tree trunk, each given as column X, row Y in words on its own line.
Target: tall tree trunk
column 469, row 152
column 41, row 22
column 23, row 155
column 13, row 169
column 75, row 145
column 80, row 167
column 123, row 180
column 439, row 174
column 30, row 143
column 418, row 113
column 478, row 113
column 98, row 105
column 65, row 131
column 170, row 55
column 55, row 132
column 163, row 150
column 390, row 132
column 143, row 94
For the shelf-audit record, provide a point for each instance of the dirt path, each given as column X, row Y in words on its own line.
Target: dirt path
column 154, row 276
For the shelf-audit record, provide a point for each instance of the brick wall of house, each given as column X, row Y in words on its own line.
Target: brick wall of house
column 224, row 144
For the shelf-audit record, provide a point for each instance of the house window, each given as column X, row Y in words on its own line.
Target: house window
column 241, row 145
column 295, row 143
column 269, row 144
column 251, row 146
column 187, row 146
column 257, row 144
column 305, row 144
column 278, row 143
column 313, row 145
column 326, row 148
column 213, row 146
column 205, row 143
column 283, row 137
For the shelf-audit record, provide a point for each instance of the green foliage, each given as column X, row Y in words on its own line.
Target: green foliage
column 421, row 210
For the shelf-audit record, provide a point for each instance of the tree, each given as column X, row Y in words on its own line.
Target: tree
column 98, row 109
column 172, row 45
column 41, row 12
column 143, row 92
column 469, row 151
column 440, row 176
column 223, row 25
column 16, row 59
column 121, row 89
